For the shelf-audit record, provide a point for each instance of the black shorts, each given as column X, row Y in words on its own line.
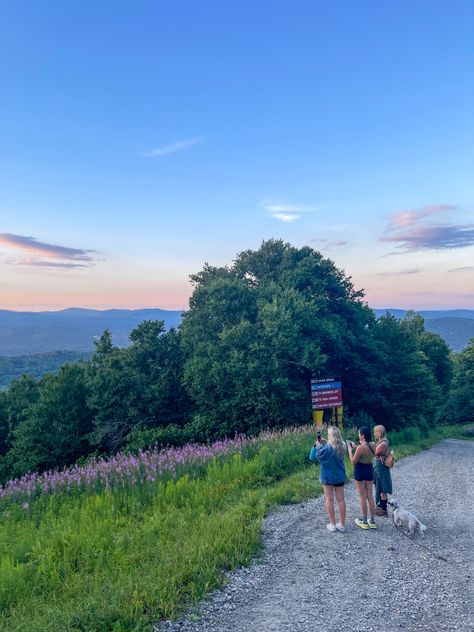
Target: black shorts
column 335, row 484
column 363, row 472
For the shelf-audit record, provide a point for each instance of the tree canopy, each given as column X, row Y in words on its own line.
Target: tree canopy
column 257, row 330
column 255, row 333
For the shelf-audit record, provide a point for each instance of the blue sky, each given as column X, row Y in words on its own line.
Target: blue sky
column 139, row 140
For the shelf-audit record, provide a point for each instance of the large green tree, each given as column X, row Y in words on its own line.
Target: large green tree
column 15, row 406
column 136, row 387
column 407, row 389
column 436, row 353
column 257, row 330
column 54, row 430
column 459, row 407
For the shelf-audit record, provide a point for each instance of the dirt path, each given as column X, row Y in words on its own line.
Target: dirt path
column 310, row 579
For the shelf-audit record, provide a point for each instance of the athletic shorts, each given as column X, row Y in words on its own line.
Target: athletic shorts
column 363, row 472
column 335, row 484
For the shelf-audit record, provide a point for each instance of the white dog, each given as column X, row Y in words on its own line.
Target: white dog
column 403, row 518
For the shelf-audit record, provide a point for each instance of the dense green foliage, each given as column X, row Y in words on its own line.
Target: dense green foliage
column 460, row 404
column 55, row 430
column 242, row 360
column 120, row 559
column 92, row 407
column 36, row 364
column 257, row 331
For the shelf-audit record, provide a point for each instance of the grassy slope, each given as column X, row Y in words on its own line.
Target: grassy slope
column 116, row 561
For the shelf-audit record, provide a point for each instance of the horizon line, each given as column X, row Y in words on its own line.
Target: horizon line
column 183, row 309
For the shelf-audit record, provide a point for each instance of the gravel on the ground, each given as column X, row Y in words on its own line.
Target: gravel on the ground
column 310, row 579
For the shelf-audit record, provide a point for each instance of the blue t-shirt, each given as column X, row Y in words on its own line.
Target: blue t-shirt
column 332, row 469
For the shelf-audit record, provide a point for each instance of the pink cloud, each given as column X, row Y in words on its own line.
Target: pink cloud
column 46, row 255
column 402, row 219
column 412, row 230
column 426, row 236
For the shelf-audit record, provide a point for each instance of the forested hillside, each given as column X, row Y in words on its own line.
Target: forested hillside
column 37, row 365
column 74, row 329
column 456, row 332
column 242, row 360
column 455, row 326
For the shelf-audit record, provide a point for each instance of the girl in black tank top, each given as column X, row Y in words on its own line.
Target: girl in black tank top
column 362, row 460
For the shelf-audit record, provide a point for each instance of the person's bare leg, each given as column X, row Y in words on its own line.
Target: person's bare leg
column 370, row 497
column 360, row 486
column 341, row 503
column 329, row 495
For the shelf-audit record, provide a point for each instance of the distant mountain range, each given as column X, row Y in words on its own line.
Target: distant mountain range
column 428, row 314
column 455, row 326
column 74, row 329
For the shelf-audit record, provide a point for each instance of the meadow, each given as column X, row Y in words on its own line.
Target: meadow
column 115, row 545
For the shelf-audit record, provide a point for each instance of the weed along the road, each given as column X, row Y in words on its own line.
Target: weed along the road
column 128, row 549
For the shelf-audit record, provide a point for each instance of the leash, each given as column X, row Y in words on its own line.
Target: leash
column 423, row 546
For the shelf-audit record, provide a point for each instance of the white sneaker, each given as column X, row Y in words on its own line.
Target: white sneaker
column 340, row 528
column 331, row 527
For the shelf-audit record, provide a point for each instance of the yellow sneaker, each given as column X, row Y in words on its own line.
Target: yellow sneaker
column 371, row 524
column 360, row 523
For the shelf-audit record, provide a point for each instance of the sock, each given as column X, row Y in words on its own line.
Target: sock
column 383, row 504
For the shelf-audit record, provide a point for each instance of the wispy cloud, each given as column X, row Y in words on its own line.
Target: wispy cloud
column 463, row 269
column 400, row 272
column 286, row 212
column 45, row 255
column 286, row 217
column 402, row 219
column 40, row 263
column 412, row 230
column 327, row 244
column 173, row 148
column 428, row 237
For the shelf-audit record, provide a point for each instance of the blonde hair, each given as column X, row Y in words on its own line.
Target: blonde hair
column 335, row 439
column 380, row 432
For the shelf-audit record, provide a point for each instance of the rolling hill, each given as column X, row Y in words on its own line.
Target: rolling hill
column 455, row 326
column 74, row 329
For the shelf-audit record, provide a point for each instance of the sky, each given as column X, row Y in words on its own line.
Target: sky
column 139, row 140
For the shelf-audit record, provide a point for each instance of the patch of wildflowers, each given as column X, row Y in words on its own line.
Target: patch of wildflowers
column 122, row 470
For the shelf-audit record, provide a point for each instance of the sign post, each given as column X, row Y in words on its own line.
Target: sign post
column 326, row 392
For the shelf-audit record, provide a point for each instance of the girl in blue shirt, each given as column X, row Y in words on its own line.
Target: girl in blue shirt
column 332, row 475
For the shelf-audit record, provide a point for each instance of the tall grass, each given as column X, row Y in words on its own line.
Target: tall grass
column 119, row 557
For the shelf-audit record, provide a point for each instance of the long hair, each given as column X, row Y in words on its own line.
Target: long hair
column 335, row 439
column 365, row 432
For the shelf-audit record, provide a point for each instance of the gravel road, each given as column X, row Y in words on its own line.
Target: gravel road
column 309, row 579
